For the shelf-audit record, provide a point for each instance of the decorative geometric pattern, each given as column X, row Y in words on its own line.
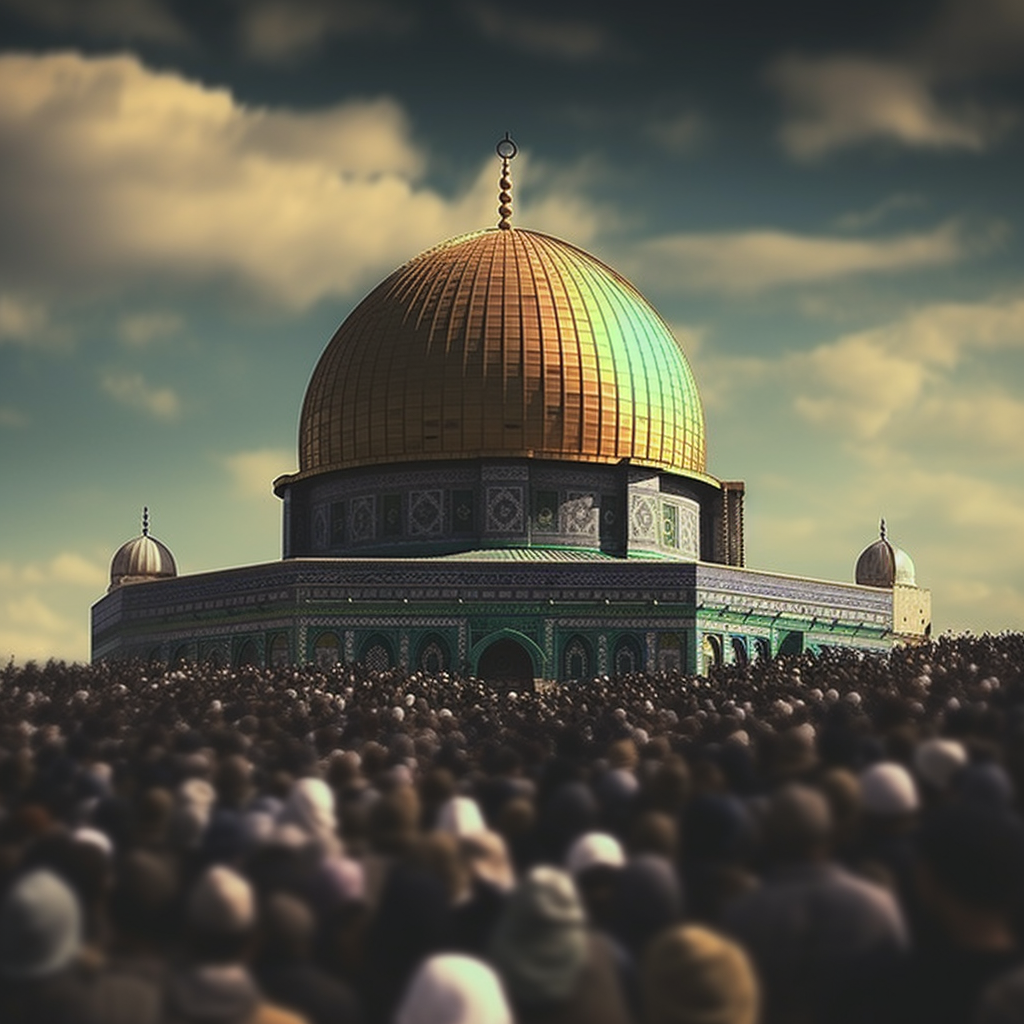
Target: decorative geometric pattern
column 392, row 515
column 463, row 519
column 669, row 525
column 578, row 515
column 643, row 517
column 320, row 529
column 505, row 512
column 363, row 518
column 426, row 513
column 545, row 511
column 689, row 530
column 337, row 523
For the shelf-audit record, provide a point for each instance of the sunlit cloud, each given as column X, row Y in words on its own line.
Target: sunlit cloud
column 138, row 330
column 752, row 261
column 132, row 391
column 253, row 472
column 117, row 174
column 37, row 606
column 837, row 102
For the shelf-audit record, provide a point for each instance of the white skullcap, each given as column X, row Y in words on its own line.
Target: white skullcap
column 937, row 761
column 450, row 988
column 594, row 849
column 888, row 789
column 460, row 816
column 221, row 901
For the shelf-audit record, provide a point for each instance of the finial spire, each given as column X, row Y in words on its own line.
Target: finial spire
column 881, row 528
column 145, row 521
column 507, row 150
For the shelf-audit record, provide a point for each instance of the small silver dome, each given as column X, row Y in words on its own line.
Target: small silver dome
column 141, row 558
column 882, row 564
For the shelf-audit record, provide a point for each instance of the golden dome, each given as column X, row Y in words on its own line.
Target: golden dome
column 503, row 343
column 141, row 558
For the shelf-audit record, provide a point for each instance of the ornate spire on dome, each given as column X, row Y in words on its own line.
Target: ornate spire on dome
column 145, row 520
column 507, row 150
column 881, row 528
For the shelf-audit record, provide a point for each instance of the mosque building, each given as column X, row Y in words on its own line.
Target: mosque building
column 502, row 471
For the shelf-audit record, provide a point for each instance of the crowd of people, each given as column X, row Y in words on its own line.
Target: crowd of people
column 818, row 839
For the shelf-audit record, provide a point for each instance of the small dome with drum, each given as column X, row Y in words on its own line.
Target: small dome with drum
column 142, row 558
column 882, row 564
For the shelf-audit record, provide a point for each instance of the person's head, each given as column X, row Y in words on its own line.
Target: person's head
column 40, row 927
column 888, row 793
column 220, row 916
column 540, row 943
column 595, row 861
column 450, row 988
column 798, row 824
column 141, row 902
column 691, row 975
column 971, row 866
column 288, row 927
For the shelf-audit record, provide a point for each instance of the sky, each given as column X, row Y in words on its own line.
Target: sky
column 824, row 201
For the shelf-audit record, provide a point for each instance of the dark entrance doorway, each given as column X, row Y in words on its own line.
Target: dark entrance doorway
column 506, row 663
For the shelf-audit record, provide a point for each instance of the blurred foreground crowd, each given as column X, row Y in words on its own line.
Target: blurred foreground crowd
column 814, row 840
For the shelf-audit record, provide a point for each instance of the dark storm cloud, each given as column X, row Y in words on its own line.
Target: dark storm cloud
column 281, row 30
column 544, row 35
column 143, row 20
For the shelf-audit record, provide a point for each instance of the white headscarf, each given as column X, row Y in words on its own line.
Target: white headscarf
column 454, row 989
column 310, row 806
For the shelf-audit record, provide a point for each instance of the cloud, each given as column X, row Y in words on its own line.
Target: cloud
column 11, row 417
column 137, row 330
column 115, row 175
column 752, row 261
column 275, row 31
column 974, row 38
column 131, row 390
column 253, row 472
column 841, row 101
column 858, row 220
column 863, row 381
column 678, row 134
column 22, row 322
column 567, row 39
column 144, row 20
column 67, row 568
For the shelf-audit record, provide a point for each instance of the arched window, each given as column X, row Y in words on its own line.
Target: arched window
column 576, row 660
column 377, row 655
column 627, row 657
column 739, row 651
column 249, row 654
column 280, row 651
column 670, row 653
column 216, row 658
column 326, row 650
column 712, row 649
column 433, row 655
column 762, row 649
